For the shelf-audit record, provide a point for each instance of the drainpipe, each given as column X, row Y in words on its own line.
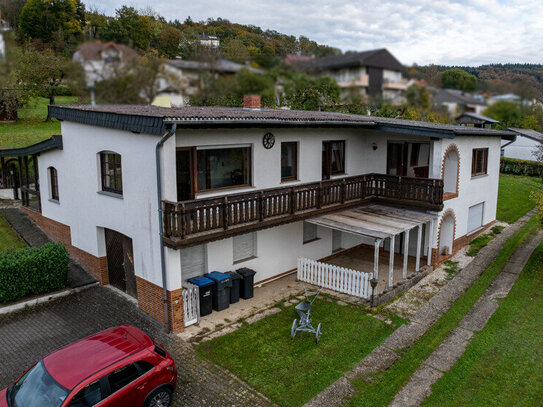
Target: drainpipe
column 159, row 145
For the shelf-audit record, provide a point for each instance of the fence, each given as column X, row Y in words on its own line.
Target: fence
column 191, row 304
column 335, row 278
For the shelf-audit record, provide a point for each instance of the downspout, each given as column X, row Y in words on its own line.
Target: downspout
column 159, row 145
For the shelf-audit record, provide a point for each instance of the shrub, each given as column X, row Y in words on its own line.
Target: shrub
column 33, row 271
column 521, row 167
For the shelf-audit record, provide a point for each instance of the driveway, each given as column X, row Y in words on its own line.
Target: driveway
column 29, row 335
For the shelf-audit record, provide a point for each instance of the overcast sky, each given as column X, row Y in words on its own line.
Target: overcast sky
column 459, row 32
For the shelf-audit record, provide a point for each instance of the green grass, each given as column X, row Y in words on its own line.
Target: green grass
column 8, row 238
column 514, row 196
column 31, row 126
column 291, row 372
column 502, row 366
column 385, row 385
column 478, row 243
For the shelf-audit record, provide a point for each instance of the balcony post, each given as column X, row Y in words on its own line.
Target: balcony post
column 261, row 206
column 183, row 221
column 291, row 200
column 224, row 213
column 319, row 192
column 342, row 186
column 391, row 262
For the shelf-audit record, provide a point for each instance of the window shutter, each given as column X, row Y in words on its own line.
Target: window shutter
column 244, row 246
column 475, row 217
column 193, row 261
column 310, row 232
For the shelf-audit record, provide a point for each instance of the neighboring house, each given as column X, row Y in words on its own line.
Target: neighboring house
column 458, row 102
column 181, row 79
column 146, row 197
column 102, row 60
column 376, row 74
column 476, row 120
column 508, row 97
column 294, row 59
column 524, row 147
column 209, row 40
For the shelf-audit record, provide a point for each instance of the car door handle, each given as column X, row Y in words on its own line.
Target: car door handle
column 142, row 386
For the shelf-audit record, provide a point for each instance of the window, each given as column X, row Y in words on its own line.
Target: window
column 244, row 247
column 145, row 366
column 53, row 181
column 479, row 161
column 223, row 167
column 112, row 180
column 475, row 217
column 193, row 261
column 310, row 232
column 37, row 384
column 333, row 158
column 89, row 396
column 289, row 161
column 122, row 377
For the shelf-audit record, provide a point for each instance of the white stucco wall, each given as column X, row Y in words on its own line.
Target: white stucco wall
column 87, row 211
column 522, row 148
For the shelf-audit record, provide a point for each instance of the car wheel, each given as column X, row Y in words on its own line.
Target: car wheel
column 159, row 398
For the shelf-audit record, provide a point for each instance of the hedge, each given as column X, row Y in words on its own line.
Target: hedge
column 32, row 271
column 521, row 167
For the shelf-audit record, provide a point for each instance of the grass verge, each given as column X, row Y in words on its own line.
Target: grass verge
column 387, row 384
column 478, row 243
column 291, row 372
column 514, row 196
column 8, row 238
column 502, row 364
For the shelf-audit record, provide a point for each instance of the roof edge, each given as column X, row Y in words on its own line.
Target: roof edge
column 55, row 142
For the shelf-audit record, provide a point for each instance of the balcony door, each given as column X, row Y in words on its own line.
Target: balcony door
column 186, row 187
column 408, row 159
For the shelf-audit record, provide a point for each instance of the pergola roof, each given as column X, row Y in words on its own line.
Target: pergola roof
column 375, row 221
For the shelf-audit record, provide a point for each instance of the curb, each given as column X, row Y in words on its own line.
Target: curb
column 8, row 309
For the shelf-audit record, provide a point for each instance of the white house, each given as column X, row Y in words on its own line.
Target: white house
column 209, row 40
column 458, row 102
column 524, row 147
column 147, row 197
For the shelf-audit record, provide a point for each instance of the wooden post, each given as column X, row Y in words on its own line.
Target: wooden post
column 319, row 192
column 419, row 239
column 224, row 213
column 405, row 253
column 36, row 180
column 376, row 244
column 430, row 226
column 343, row 187
column 183, row 221
column 291, row 200
column 261, row 206
column 391, row 262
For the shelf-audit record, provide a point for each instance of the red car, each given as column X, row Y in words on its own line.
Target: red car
column 121, row 367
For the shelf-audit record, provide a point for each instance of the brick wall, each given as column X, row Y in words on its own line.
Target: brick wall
column 150, row 300
column 58, row 232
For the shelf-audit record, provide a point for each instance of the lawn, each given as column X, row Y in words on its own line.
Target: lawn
column 291, row 372
column 31, row 126
column 514, row 196
column 387, row 384
column 8, row 238
column 502, row 366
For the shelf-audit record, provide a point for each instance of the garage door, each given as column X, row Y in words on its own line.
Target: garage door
column 475, row 217
column 193, row 261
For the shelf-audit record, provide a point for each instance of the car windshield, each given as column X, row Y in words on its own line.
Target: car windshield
column 37, row 389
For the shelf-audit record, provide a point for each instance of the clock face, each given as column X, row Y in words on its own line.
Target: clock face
column 268, row 140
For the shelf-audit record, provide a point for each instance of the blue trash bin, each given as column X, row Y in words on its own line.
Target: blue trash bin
column 205, row 287
column 221, row 290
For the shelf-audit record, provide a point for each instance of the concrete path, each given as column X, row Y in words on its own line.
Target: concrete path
column 385, row 355
column 452, row 348
column 35, row 237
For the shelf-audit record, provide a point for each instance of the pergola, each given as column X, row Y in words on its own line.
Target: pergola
column 380, row 222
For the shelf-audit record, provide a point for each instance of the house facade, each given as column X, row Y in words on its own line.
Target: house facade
column 458, row 102
column 147, row 197
column 367, row 74
column 525, row 146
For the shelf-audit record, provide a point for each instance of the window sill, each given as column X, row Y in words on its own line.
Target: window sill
column 111, row 194
column 450, row 195
column 338, row 176
column 479, row 176
column 312, row 240
column 289, row 181
column 244, row 260
column 55, row 201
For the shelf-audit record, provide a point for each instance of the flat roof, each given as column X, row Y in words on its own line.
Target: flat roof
column 155, row 119
column 375, row 221
column 55, row 142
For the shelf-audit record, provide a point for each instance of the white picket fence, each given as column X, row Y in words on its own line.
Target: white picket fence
column 335, row 278
column 191, row 303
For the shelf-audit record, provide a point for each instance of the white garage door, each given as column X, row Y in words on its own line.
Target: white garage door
column 475, row 217
column 244, row 246
column 193, row 261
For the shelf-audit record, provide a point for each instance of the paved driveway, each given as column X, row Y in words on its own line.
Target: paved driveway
column 29, row 335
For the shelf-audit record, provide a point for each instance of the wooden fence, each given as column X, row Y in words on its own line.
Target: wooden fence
column 335, row 278
column 191, row 304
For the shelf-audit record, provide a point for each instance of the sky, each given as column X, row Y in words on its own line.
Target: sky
column 448, row 32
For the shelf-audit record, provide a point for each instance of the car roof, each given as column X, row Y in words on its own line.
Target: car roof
column 79, row 360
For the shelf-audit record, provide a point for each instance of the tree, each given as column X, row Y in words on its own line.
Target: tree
column 509, row 114
column 418, row 96
column 168, row 41
column 306, row 93
column 456, row 78
column 129, row 28
column 10, row 11
column 236, row 51
column 49, row 20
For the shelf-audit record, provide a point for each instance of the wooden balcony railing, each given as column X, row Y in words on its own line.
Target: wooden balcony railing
column 192, row 222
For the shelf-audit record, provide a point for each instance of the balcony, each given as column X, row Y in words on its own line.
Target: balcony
column 189, row 223
column 390, row 85
column 362, row 81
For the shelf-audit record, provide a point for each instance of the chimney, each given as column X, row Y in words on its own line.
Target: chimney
column 251, row 102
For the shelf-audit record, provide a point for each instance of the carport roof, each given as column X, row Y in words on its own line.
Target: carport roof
column 375, row 221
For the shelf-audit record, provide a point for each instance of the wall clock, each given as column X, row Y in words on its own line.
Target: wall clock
column 268, row 140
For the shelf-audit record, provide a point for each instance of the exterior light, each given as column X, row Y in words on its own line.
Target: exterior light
column 373, row 283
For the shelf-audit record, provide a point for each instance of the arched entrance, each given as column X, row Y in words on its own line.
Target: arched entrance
column 446, row 234
column 451, row 166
